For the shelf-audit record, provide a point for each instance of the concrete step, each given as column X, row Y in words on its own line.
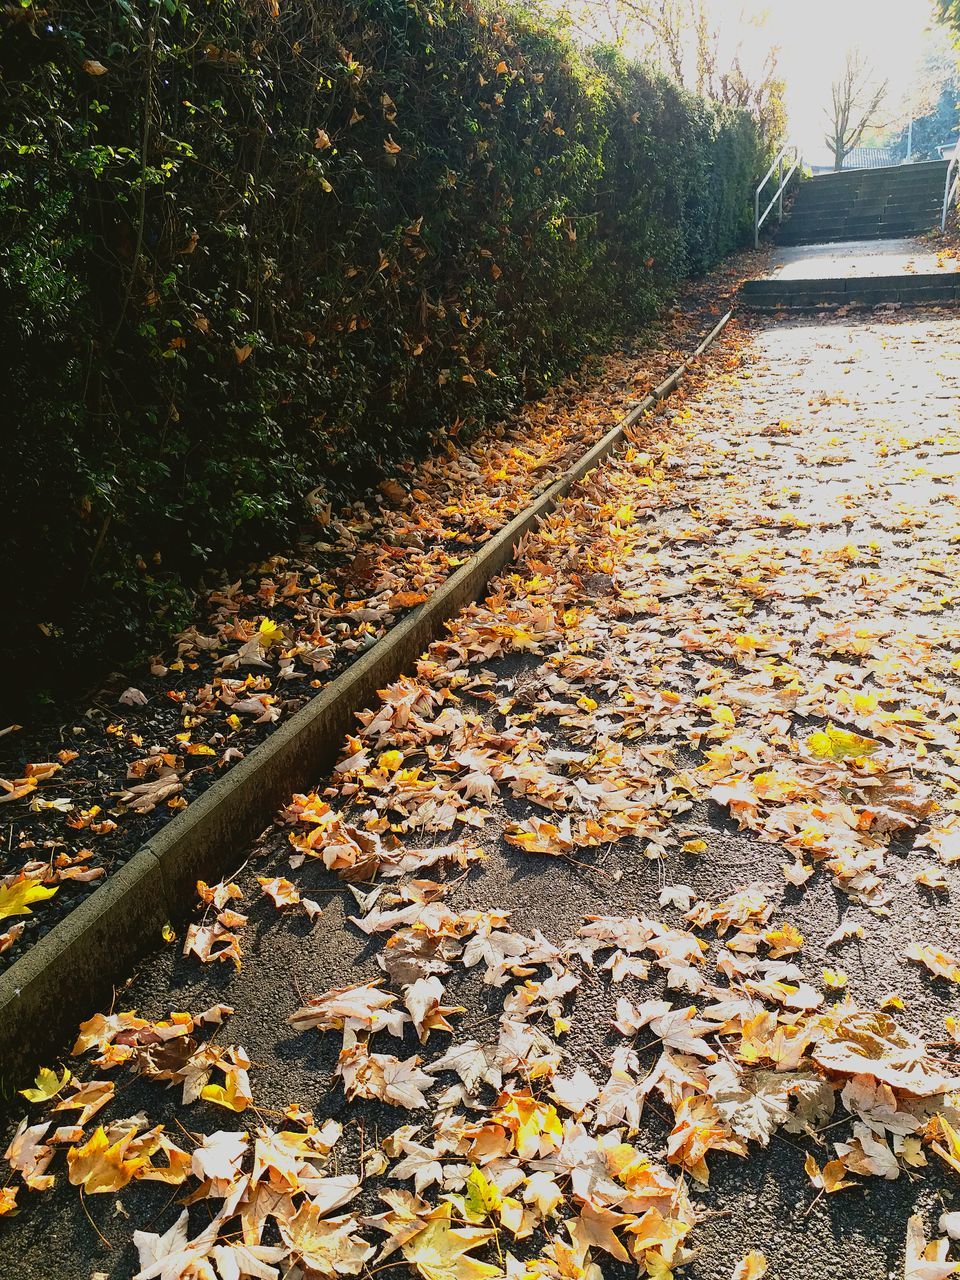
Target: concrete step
column 840, row 237
column 873, row 229
column 906, row 176
column 888, row 209
column 894, row 172
column 885, row 199
column 867, row 291
column 893, row 200
column 925, row 218
column 812, row 194
column 839, row 195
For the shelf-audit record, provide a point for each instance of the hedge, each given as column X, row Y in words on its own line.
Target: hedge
column 252, row 246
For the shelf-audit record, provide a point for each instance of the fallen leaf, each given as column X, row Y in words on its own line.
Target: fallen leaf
column 17, row 895
column 100, row 1166
column 442, row 1252
column 47, row 1085
column 752, row 1267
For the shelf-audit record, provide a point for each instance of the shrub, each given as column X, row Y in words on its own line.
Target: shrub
column 250, row 246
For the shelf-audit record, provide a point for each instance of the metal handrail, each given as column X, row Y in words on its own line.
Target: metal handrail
column 951, row 185
column 777, row 167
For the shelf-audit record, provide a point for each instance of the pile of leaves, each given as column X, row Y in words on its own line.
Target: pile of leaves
column 521, row 1149
column 249, row 247
column 633, row 669
column 84, row 795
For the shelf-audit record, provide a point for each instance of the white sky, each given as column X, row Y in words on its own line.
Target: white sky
column 814, row 36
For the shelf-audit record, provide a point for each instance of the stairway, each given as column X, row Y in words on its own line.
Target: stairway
column 866, row 204
column 848, row 242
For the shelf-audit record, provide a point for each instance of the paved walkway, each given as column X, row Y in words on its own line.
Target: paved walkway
column 716, row 706
column 858, row 258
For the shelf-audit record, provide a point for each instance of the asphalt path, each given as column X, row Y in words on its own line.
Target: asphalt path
column 802, row 438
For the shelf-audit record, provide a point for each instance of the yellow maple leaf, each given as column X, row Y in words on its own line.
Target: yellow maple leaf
column 226, row 1095
column 481, row 1197
column 783, row 941
column 234, row 1093
column 536, row 1126
column 47, row 1085
column 269, row 633
column 656, row 1266
column 694, row 846
column 440, row 1252
column 753, row 1267
column 15, row 898
column 834, row 743
column 100, row 1166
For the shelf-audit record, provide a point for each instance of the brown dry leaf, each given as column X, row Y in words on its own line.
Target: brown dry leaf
column 924, row 1261
column 279, row 890
column 422, row 999
column 932, row 877
column 327, row 1246
column 30, row 1156
column 830, row 1178
column 362, row 1008
column 576, row 1093
column 940, row 963
column 863, row 1043
column 383, row 1076
column 407, row 599
column 594, row 1228
column 213, row 942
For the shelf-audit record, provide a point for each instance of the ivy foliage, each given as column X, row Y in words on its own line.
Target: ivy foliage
column 251, row 246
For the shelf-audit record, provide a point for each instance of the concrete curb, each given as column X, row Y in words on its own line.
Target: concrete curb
column 72, row 970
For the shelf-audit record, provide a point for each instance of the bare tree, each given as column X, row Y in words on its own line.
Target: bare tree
column 678, row 37
column 762, row 94
column 856, row 99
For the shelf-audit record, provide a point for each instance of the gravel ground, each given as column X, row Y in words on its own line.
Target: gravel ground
column 799, row 498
